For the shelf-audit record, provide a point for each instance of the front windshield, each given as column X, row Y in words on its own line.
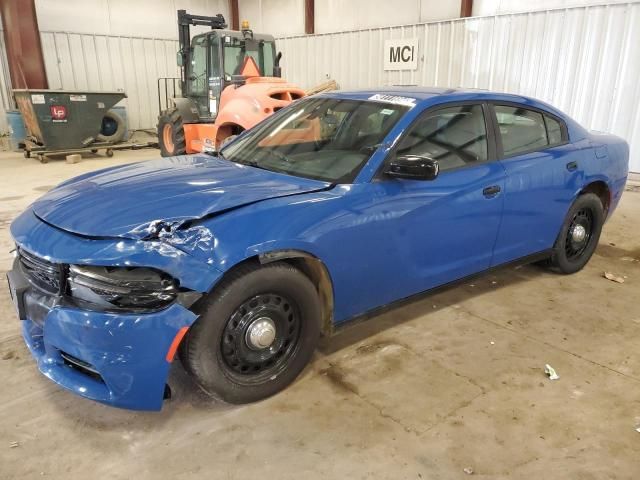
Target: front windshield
column 327, row 139
column 236, row 49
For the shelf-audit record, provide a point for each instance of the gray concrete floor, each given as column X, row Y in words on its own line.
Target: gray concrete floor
column 450, row 382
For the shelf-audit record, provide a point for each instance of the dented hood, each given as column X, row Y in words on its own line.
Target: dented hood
column 127, row 201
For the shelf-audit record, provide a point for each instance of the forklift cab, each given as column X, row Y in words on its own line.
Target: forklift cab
column 216, row 61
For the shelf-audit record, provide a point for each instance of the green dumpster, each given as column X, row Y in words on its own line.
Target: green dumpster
column 62, row 120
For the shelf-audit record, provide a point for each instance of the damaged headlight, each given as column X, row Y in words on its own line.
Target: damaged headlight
column 121, row 287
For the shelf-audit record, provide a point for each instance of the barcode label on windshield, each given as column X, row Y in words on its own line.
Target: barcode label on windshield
column 380, row 97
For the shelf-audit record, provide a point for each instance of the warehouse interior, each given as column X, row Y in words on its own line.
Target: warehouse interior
column 516, row 373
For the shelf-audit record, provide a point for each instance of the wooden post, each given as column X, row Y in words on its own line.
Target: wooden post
column 466, row 8
column 233, row 11
column 22, row 40
column 309, row 17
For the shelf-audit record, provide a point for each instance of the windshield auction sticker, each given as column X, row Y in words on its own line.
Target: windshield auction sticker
column 380, row 97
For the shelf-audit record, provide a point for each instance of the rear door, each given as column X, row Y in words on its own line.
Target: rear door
column 542, row 170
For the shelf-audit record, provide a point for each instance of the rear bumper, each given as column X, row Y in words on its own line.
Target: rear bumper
column 122, row 356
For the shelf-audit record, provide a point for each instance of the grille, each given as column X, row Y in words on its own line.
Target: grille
column 43, row 274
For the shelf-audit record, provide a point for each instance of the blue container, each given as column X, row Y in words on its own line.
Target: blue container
column 17, row 130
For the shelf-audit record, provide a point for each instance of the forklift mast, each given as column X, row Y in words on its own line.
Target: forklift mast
column 185, row 20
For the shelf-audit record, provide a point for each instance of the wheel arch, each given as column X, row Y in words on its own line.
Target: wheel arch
column 227, row 129
column 307, row 263
column 602, row 190
column 187, row 109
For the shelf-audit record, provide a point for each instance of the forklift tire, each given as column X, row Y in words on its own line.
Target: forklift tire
column 171, row 134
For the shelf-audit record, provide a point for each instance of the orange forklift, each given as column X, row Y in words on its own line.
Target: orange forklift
column 230, row 81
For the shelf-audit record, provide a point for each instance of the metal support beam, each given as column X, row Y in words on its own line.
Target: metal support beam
column 22, row 40
column 233, row 11
column 309, row 17
column 466, row 8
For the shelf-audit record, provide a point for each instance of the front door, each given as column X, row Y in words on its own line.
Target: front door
column 429, row 233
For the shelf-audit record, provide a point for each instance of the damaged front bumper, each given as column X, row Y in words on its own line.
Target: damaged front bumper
column 119, row 358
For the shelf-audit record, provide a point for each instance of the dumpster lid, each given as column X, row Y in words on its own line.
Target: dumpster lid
column 71, row 92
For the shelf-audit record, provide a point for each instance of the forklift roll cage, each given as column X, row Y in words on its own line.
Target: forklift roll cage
column 213, row 87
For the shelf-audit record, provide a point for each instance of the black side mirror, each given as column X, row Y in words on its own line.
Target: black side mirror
column 277, row 69
column 413, row 167
column 238, row 80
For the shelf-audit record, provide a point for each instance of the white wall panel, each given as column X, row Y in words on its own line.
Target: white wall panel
column 104, row 62
column 584, row 60
column 138, row 18
column 6, row 101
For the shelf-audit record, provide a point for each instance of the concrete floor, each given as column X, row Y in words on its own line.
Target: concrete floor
column 448, row 383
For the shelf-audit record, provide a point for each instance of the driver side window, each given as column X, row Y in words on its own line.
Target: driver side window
column 453, row 136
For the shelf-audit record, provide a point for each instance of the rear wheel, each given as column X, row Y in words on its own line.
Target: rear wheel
column 255, row 334
column 579, row 235
column 171, row 133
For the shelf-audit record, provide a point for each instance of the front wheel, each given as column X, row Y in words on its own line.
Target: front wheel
column 579, row 235
column 255, row 334
column 171, row 137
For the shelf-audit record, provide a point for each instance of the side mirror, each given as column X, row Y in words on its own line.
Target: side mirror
column 277, row 69
column 179, row 59
column 413, row 167
column 238, row 80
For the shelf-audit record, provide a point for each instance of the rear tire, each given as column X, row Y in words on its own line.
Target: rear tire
column 256, row 333
column 579, row 235
column 171, row 137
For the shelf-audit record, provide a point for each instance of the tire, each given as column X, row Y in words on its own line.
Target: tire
column 227, row 140
column 171, row 134
column 118, row 134
column 281, row 294
column 569, row 254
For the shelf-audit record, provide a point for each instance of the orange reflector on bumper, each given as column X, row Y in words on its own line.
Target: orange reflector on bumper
column 176, row 343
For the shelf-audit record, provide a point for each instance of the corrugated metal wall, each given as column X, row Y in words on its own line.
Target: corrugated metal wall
column 6, row 101
column 584, row 60
column 102, row 62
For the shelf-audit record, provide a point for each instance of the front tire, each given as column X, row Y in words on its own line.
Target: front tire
column 171, row 137
column 256, row 333
column 579, row 235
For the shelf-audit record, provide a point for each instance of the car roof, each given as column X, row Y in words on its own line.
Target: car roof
column 431, row 96
column 434, row 93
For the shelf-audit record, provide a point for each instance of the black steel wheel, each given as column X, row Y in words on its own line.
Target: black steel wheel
column 260, row 337
column 255, row 333
column 579, row 235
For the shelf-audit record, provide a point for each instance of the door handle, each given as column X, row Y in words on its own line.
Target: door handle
column 491, row 191
column 572, row 166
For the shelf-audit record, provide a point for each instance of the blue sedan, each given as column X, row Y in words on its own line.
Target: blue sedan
column 238, row 261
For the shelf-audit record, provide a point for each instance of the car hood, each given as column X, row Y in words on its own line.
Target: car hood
column 134, row 200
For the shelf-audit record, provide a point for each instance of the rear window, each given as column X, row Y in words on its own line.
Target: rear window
column 523, row 130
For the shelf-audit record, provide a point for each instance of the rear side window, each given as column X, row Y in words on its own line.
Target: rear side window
column 554, row 130
column 523, row 130
column 454, row 136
